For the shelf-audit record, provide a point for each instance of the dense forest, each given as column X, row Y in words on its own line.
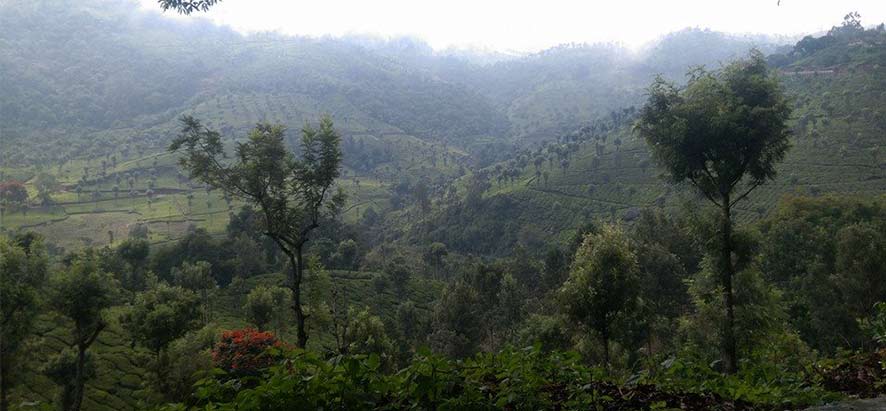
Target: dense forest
column 193, row 218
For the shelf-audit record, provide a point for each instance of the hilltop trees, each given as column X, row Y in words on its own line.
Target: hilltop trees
column 724, row 133
column 292, row 195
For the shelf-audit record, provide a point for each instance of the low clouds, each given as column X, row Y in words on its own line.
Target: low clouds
column 533, row 25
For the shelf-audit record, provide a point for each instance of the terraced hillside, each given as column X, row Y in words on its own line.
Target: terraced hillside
column 96, row 112
column 839, row 133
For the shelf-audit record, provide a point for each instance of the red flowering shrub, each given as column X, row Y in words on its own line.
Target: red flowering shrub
column 244, row 352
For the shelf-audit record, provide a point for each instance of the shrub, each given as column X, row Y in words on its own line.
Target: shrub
column 244, row 352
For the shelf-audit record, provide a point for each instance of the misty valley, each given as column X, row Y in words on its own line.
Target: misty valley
column 194, row 217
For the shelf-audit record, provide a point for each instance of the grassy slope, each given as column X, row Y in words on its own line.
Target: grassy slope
column 120, row 372
column 837, row 148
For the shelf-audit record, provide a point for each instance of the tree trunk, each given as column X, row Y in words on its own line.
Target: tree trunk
column 296, row 261
column 728, row 272
column 79, row 378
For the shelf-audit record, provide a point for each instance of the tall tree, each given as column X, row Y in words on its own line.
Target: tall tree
column 293, row 195
column 82, row 293
column 723, row 132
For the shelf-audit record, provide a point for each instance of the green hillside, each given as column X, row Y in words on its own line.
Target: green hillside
column 454, row 258
column 839, row 127
column 407, row 114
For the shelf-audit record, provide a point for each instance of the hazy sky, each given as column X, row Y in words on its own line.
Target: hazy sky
column 520, row 25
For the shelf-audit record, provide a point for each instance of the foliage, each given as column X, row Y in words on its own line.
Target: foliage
column 161, row 315
column 22, row 273
column 188, row 359
column 198, row 278
column 268, row 306
column 365, row 334
column 858, row 374
column 722, row 129
column 457, row 322
column 13, row 193
column 823, row 249
column 510, row 379
column 244, row 352
column 761, row 383
column 62, row 370
column 602, row 290
column 82, row 293
column 875, row 326
column 292, row 194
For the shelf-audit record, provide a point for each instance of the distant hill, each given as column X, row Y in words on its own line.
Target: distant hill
column 839, row 94
column 93, row 90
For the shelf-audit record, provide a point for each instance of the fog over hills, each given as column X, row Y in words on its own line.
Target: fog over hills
column 193, row 218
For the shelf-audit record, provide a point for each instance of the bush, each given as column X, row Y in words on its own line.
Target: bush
column 513, row 379
column 244, row 352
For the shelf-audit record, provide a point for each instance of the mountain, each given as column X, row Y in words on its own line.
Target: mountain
column 93, row 90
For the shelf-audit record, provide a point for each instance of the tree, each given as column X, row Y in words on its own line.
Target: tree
column 457, row 323
column 603, row 285
column 157, row 318
column 365, row 334
column 347, row 255
column 62, row 370
column 861, row 266
column 133, row 251
column 293, row 195
column 724, row 133
column 264, row 307
column 160, row 315
column 198, row 278
column 400, row 274
column 46, row 184
column 22, row 271
column 259, row 307
column 13, row 193
column 82, row 293
column 434, row 255
column 510, row 303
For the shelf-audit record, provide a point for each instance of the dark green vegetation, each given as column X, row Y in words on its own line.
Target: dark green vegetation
column 493, row 203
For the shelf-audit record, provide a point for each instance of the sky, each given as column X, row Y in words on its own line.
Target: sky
column 528, row 26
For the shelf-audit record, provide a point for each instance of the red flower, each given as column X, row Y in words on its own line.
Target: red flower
column 244, row 352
